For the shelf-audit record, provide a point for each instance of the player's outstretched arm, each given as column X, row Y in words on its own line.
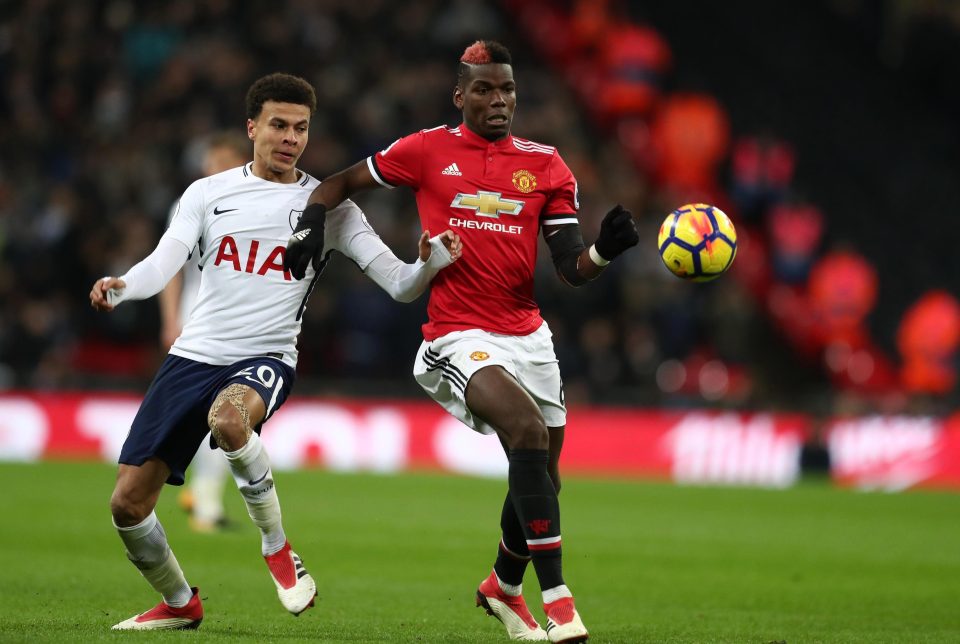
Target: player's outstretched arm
column 305, row 246
column 144, row 280
column 576, row 264
column 103, row 295
column 406, row 282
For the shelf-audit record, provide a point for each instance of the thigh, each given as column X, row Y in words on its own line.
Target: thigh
column 444, row 367
column 496, row 397
column 171, row 422
column 266, row 382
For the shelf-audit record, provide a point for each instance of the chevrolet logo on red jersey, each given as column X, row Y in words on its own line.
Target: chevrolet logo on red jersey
column 488, row 204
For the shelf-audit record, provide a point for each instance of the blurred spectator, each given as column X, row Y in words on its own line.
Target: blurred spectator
column 795, row 231
column 842, row 292
column 690, row 137
column 761, row 171
column 928, row 338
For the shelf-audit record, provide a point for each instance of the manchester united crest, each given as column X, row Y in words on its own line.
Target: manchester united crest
column 479, row 355
column 524, row 181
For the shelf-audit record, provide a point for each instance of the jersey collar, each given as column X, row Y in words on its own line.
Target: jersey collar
column 474, row 138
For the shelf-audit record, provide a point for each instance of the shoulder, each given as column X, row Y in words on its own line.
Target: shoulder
column 345, row 221
column 307, row 181
column 438, row 133
column 532, row 147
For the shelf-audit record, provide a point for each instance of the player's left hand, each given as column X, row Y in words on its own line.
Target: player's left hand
column 449, row 239
column 104, row 293
column 617, row 233
column 305, row 245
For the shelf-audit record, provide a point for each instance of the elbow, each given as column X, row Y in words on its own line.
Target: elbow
column 405, row 297
column 575, row 280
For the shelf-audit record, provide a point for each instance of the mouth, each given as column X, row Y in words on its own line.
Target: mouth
column 286, row 156
column 497, row 119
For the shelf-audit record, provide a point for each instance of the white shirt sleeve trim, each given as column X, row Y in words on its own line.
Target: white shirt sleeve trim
column 376, row 175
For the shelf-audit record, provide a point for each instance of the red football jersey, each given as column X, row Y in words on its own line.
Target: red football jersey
column 496, row 196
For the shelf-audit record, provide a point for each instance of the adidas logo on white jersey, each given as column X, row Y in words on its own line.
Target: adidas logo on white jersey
column 452, row 170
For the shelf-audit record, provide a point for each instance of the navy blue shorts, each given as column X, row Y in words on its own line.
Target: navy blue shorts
column 172, row 419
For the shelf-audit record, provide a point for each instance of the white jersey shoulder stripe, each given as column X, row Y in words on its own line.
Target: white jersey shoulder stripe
column 528, row 146
column 432, row 129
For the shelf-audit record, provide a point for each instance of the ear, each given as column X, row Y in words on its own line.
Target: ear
column 251, row 129
column 458, row 97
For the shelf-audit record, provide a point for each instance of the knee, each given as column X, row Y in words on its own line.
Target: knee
column 529, row 431
column 229, row 427
column 126, row 511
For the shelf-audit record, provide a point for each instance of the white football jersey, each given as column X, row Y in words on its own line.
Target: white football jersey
column 247, row 305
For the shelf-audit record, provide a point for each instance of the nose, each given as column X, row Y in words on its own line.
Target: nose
column 498, row 98
column 291, row 137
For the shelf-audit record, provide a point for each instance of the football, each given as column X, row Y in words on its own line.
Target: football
column 697, row 242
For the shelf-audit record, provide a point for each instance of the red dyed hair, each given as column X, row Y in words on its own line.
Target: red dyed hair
column 483, row 52
column 476, row 54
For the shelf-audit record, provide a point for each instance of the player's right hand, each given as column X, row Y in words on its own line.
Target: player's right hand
column 104, row 291
column 305, row 245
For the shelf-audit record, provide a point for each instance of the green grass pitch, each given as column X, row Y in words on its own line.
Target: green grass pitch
column 398, row 558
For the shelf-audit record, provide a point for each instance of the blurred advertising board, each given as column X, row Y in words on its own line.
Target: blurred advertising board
column 692, row 447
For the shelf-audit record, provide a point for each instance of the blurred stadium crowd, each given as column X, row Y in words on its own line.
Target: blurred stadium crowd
column 107, row 105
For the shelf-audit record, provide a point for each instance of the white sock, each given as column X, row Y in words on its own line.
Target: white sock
column 509, row 589
column 208, row 471
column 148, row 550
column 251, row 470
column 557, row 592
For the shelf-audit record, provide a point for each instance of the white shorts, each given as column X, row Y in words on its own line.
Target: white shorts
column 444, row 367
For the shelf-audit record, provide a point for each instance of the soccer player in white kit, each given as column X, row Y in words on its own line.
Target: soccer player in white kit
column 202, row 497
column 233, row 364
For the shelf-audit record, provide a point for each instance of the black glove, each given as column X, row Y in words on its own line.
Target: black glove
column 306, row 243
column 617, row 233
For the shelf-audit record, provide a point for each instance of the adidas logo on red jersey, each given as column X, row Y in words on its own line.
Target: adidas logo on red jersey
column 452, row 170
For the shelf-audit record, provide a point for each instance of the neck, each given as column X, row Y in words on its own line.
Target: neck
column 492, row 139
column 262, row 171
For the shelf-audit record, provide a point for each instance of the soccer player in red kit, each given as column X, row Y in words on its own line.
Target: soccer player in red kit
column 487, row 355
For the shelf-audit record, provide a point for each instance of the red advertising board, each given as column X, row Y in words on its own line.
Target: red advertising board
column 702, row 447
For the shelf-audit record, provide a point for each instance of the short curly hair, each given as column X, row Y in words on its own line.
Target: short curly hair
column 282, row 88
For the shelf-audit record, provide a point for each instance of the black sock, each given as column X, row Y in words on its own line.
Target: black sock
column 512, row 554
column 538, row 510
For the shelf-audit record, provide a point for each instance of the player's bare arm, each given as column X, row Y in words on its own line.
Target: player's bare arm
column 577, row 264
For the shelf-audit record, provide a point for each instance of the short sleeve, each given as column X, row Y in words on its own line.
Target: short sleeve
column 186, row 222
column 399, row 164
column 348, row 231
column 563, row 202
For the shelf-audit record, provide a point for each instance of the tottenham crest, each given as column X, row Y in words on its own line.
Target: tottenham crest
column 295, row 218
column 524, row 181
